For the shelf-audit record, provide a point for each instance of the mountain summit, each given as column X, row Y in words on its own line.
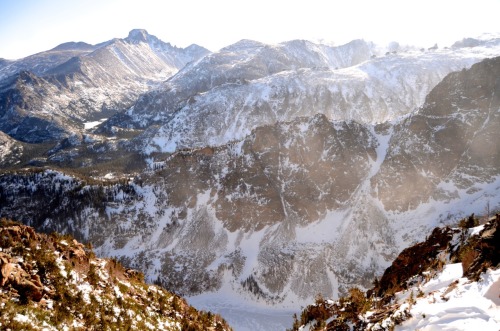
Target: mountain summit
column 138, row 35
column 95, row 83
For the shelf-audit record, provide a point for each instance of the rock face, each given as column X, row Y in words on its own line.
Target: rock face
column 13, row 275
column 56, row 282
column 482, row 251
column 281, row 176
column 415, row 260
column 261, row 215
column 448, row 145
column 38, row 105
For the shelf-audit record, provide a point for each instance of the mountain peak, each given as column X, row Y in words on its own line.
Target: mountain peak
column 138, row 35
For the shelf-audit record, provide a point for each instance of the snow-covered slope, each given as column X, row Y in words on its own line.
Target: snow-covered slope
column 458, row 125
column 448, row 282
column 234, row 65
column 10, row 150
column 453, row 302
column 225, row 95
column 41, row 62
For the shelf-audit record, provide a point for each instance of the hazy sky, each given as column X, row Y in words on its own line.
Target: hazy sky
column 30, row 26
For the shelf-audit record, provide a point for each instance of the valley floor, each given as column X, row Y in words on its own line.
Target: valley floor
column 244, row 316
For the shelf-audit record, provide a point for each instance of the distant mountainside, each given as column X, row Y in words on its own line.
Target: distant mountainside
column 259, row 174
column 269, row 194
column 50, row 103
column 449, row 281
column 449, row 145
column 225, row 95
column 54, row 282
column 41, row 62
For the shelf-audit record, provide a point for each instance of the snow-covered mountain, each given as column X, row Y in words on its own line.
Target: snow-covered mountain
column 288, row 176
column 224, row 96
column 50, row 103
column 458, row 125
column 41, row 62
column 234, row 65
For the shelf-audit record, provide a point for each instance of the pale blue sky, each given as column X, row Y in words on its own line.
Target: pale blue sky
column 30, row 26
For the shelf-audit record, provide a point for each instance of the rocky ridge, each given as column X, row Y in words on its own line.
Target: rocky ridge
column 52, row 282
column 448, row 267
column 224, row 96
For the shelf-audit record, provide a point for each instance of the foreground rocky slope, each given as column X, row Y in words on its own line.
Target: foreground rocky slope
column 449, row 281
column 52, row 282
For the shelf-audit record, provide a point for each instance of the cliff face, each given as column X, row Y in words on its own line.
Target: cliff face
column 259, row 215
column 449, row 145
column 53, row 282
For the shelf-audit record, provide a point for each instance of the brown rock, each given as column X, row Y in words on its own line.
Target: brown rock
column 29, row 291
column 77, row 253
column 6, row 270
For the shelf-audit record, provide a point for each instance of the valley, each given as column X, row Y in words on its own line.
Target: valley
column 257, row 176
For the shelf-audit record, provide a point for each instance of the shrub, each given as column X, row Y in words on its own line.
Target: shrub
column 467, row 255
column 469, row 222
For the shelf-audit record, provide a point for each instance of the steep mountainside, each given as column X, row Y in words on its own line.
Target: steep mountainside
column 52, row 282
column 87, row 87
column 238, row 64
column 450, row 281
column 458, row 125
column 227, row 94
column 287, row 198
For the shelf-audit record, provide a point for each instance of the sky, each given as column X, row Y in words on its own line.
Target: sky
column 31, row 26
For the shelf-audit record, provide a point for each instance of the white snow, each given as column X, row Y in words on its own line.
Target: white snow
column 243, row 315
column 90, row 125
column 372, row 91
column 465, row 305
column 22, row 318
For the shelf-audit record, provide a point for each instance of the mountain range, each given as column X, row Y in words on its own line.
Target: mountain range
column 49, row 96
column 256, row 176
